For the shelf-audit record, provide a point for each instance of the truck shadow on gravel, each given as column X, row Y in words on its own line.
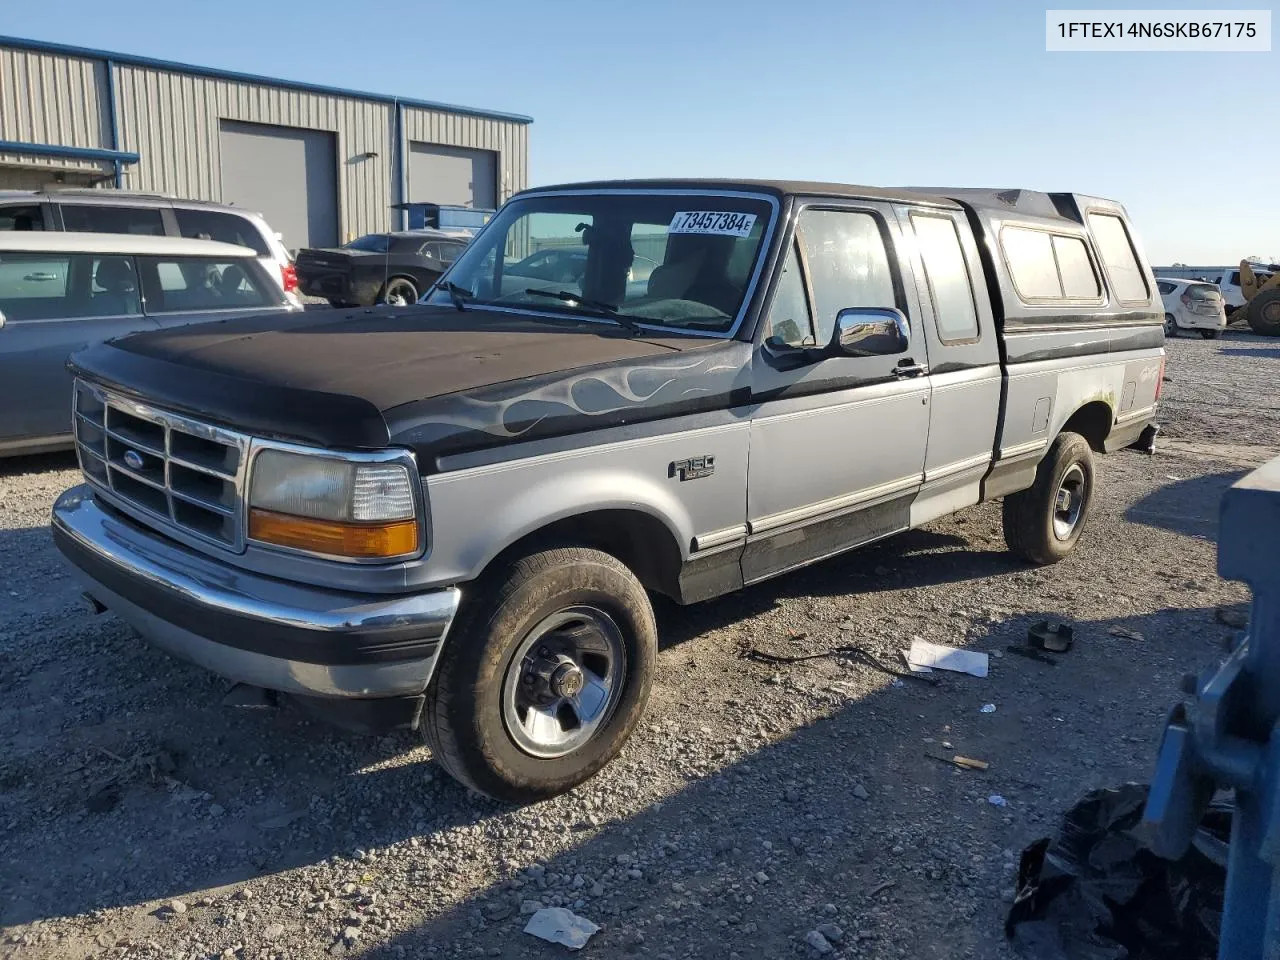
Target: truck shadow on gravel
column 1185, row 506
column 917, row 558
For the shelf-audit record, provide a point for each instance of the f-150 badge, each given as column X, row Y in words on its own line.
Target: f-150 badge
column 693, row 468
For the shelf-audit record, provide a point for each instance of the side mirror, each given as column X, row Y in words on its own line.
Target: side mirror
column 1, row 319
column 870, row 332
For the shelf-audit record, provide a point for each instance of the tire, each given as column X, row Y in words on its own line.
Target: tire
column 491, row 663
column 340, row 304
column 1035, row 525
column 1209, row 334
column 1264, row 313
column 1170, row 326
column 398, row 292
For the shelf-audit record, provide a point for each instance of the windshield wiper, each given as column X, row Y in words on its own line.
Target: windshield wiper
column 595, row 306
column 456, row 293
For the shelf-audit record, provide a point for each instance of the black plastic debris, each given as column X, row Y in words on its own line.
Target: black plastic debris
column 1096, row 892
column 1054, row 637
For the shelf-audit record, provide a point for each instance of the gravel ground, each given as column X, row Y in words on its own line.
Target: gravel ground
column 142, row 817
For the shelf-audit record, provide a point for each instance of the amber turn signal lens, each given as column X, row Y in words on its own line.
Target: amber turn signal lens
column 359, row 541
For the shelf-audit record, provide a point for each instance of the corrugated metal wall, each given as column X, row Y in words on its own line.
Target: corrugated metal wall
column 171, row 119
column 49, row 98
column 509, row 140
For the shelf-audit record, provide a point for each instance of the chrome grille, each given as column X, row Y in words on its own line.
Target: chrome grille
column 172, row 469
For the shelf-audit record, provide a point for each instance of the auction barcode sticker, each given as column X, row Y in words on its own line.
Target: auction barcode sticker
column 1168, row 31
column 719, row 222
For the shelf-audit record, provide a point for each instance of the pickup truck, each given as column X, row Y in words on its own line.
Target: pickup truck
column 451, row 515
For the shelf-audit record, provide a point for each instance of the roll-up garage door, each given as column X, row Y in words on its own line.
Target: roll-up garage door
column 287, row 174
column 452, row 175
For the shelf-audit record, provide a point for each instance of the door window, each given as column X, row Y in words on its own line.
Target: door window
column 789, row 319
column 61, row 287
column 847, row 263
column 100, row 218
column 954, row 311
column 223, row 227
column 179, row 284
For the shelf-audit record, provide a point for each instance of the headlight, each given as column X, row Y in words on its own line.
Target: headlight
column 341, row 508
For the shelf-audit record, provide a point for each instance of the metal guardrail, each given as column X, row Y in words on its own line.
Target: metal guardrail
column 1230, row 737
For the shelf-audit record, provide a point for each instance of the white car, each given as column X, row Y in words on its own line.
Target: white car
column 1192, row 305
column 82, row 210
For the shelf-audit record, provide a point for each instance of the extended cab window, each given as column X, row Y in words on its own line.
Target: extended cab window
column 1118, row 257
column 948, row 277
column 179, row 284
column 847, row 262
column 100, row 218
column 42, row 286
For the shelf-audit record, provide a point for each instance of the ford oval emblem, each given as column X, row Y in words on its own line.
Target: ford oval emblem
column 133, row 459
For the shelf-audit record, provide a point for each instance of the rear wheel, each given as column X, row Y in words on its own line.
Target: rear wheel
column 340, row 304
column 398, row 292
column 1264, row 313
column 544, row 677
column 1170, row 326
column 1044, row 522
column 1211, row 334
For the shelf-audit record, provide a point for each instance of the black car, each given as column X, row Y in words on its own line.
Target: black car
column 394, row 268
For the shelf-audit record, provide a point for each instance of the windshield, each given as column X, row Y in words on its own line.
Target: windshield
column 374, row 243
column 672, row 260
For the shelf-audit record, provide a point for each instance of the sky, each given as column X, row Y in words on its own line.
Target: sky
column 887, row 94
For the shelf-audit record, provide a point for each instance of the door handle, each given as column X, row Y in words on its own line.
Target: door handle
column 37, row 277
column 909, row 368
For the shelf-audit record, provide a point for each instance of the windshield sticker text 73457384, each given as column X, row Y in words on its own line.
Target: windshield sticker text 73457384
column 717, row 222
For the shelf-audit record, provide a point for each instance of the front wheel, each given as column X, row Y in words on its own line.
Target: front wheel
column 544, row 677
column 398, row 292
column 1044, row 522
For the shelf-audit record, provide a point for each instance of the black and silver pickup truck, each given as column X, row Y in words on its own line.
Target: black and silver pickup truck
column 451, row 515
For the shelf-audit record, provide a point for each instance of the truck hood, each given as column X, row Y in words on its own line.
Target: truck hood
column 424, row 376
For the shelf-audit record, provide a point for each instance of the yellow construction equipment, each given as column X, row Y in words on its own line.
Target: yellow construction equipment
column 1261, row 301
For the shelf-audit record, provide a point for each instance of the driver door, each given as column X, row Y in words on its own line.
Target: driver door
column 837, row 441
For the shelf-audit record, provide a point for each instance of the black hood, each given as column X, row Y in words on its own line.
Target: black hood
column 434, row 378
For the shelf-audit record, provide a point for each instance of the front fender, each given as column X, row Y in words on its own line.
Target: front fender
column 478, row 513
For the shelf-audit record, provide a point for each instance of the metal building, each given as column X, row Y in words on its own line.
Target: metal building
column 321, row 163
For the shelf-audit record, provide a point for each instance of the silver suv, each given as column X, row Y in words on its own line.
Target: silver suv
column 83, row 210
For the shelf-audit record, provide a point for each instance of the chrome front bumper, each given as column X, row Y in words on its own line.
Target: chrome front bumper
column 257, row 630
